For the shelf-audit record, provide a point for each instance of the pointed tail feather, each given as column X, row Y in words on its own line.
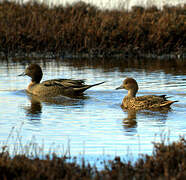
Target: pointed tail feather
column 95, row 84
column 167, row 103
column 85, row 87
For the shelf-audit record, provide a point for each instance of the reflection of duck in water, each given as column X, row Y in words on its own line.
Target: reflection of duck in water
column 35, row 108
column 130, row 121
column 142, row 102
column 54, row 87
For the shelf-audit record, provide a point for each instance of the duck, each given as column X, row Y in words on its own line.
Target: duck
column 53, row 87
column 131, row 102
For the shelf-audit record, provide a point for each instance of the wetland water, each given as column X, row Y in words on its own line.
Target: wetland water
column 95, row 126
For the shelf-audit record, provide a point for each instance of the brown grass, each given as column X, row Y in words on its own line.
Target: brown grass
column 83, row 28
column 167, row 162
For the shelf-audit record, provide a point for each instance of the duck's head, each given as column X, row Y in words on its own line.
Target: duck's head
column 34, row 71
column 131, row 85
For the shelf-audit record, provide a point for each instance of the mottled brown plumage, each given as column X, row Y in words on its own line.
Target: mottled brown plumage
column 142, row 102
column 54, row 87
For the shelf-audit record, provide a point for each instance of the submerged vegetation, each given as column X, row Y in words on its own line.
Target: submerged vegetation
column 167, row 162
column 81, row 28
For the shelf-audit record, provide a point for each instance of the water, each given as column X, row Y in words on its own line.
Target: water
column 95, row 126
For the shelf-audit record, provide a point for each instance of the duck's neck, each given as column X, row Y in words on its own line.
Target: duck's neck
column 36, row 79
column 34, row 82
column 131, row 93
column 31, row 85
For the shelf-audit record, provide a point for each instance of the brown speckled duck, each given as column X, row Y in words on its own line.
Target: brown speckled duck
column 142, row 102
column 53, row 87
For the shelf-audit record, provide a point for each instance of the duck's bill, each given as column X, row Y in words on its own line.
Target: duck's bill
column 120, row 87
column 22, row 74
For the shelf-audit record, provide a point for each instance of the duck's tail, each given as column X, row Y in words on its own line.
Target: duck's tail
column 85, row 87
column 167, row 104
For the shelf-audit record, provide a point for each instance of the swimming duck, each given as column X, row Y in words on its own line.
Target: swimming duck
column 142, row 102
column 53, row 87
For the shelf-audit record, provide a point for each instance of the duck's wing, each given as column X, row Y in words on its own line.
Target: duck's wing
column 65, row 83
column 70, row 85
column 153, row 101
column 151, row 98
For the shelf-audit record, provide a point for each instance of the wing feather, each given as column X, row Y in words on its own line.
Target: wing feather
column 66, row 83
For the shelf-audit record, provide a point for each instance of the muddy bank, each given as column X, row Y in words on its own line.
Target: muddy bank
column 84, row 30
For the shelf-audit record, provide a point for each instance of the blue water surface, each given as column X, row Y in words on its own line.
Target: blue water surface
column 94, row 127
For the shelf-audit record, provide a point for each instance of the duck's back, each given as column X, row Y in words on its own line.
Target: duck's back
column 57, row 87
column 146, row 102
column 64, row 83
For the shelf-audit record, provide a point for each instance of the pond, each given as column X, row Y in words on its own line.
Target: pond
column 94, row 127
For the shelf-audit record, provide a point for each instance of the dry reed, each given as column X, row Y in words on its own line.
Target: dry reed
column 81, row 28
column 167, row 162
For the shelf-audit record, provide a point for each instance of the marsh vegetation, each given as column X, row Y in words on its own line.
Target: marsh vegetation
column 84, row 29
column 167, row 162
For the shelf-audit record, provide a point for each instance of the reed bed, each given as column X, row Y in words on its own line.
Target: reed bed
column 82, row 28
column 167, row 162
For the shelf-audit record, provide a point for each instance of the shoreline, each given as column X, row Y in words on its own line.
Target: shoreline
column 166, row 162
column 102, row 55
